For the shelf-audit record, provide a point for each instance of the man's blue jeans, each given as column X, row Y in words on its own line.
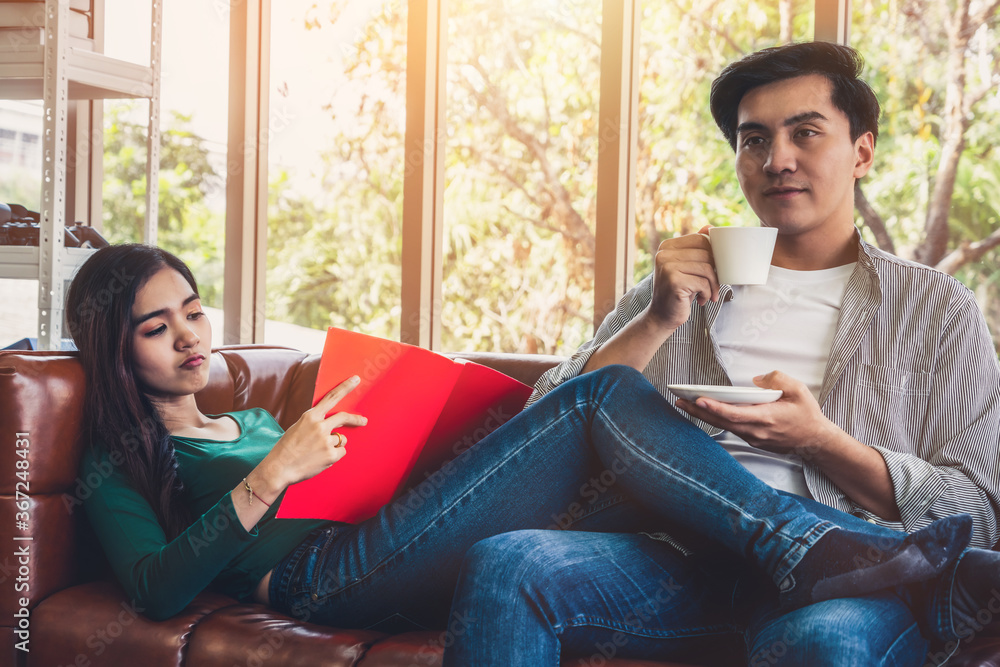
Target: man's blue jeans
column 534, row 596
column 587, row 456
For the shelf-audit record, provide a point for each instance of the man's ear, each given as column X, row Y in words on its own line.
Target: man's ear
column 864, row 151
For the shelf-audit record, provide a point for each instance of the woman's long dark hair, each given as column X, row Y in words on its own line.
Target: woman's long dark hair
column 117, row 413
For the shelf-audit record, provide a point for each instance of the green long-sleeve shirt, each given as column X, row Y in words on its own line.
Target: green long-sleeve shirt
column 163, row 576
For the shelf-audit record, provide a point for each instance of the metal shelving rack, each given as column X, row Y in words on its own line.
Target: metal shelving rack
column 57, row 73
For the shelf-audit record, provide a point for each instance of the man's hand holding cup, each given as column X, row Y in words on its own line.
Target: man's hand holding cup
column 692, row 268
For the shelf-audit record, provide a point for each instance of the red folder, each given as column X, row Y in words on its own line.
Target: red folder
column 422, row 408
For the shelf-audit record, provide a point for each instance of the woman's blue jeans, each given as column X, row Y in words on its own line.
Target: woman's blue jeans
column 604, row 452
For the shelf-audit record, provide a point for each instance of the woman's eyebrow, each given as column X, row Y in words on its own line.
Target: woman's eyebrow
column 156, row 313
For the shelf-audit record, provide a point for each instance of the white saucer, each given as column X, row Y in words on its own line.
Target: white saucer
column 746, row 395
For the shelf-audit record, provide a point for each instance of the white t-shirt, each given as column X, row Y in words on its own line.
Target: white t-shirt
column 786, row 325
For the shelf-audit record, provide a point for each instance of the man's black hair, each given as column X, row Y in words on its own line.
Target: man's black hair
column 842, row 65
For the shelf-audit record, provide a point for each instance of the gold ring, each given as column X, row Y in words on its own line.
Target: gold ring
column 341, row 440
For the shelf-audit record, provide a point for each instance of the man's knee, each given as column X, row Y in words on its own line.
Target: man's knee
column 506, row 552
column 619, row 372
column 525, row 559
column 609, row 378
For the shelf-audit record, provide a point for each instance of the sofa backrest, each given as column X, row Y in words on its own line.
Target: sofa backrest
column 40, row 418
column 41, row 490
column 278, row 379
column 281, row 380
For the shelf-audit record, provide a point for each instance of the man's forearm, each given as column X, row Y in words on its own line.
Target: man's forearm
column 858, row 470
column 633, row 346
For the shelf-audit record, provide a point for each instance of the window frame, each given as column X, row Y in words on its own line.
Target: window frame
column 423, row 186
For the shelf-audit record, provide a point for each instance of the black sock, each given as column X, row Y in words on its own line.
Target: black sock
column 975, row 594
column 846, row 563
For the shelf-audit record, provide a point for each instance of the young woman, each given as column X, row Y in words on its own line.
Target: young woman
column 192, row 499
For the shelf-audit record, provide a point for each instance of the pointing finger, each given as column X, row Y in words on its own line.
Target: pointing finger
column 336, row 394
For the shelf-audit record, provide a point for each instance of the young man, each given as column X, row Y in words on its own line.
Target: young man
column 889, row 416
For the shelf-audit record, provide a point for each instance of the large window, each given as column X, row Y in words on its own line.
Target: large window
column 336, row 169
column 934, row 193
column 193, row 126
column 20, row 183
column 684, row 175
column 20, row 153
column 521, row 141
column 517, row 143
column 520, row 174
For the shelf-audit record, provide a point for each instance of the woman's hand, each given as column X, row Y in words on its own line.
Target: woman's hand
column 312, row 444
column 307, row 448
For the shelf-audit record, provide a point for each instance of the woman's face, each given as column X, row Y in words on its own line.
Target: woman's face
column 172, row 337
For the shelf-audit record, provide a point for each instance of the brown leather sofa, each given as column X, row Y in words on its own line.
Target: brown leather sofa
column 56, row 599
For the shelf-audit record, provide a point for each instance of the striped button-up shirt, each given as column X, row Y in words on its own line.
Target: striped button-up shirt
column 912, row 372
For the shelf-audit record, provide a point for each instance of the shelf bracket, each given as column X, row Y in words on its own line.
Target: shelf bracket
column 55, row 118
column 153, row 132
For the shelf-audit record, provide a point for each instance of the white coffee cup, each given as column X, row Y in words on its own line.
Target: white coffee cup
column 742, row 254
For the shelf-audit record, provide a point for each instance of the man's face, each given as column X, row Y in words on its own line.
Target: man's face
column 795, row 159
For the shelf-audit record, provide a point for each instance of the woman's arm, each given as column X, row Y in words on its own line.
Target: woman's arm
column 160, row 576
column 307, row 448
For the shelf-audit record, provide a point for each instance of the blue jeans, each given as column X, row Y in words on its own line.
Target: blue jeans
column 532, row 597
column 588, row 456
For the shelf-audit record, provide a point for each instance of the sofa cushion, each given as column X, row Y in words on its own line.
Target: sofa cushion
column 252, row 634
column 95, row 624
